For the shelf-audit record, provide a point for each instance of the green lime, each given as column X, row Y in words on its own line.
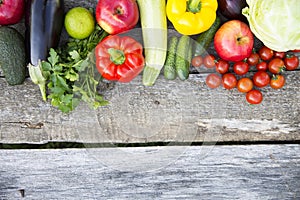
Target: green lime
column 79, row 22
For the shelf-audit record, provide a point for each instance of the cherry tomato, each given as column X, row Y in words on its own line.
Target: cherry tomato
column 261, row 79
column 296, row 50
column 291, row 62
column 276, row 65
column 197, row 61
column 213, row 81
column 277, row 81
column 244, row 85
column 241, row 68
column 222, row 66
column 229, row 81
column 209, row 61
column 265, row 53
column 262, row 66
column 254, row 97
column 253, row 59
column 279, row 54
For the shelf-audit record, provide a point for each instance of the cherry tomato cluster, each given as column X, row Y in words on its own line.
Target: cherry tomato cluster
column 269, row 67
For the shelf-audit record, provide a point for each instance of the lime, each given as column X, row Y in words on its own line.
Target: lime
column 79, row 22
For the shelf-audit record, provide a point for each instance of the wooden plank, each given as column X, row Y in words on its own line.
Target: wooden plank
column 198, row 172
column 169, row 111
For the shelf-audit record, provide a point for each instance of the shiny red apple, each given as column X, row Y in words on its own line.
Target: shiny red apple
column 117, row 16
column 234, row 41
column 11, row 11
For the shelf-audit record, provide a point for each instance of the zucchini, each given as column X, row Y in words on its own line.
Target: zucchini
column 12, row 55
column 169, row 67
column 154, row 30
column 183, row 57
column 204, row 39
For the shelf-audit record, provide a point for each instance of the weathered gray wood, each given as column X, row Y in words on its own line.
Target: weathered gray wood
column 169, row 111
column 202, row 172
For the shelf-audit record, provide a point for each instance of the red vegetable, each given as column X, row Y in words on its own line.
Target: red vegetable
column 266, row 53
column 254, row 97
column 244, row 85
column 261, row 79
column 276, row 66
column 241, row 68
column 213, row 81
column 277, row 81
column 229, row 81
column 119, row 58
column 291, row 62
column 253, row 59
column 117, row 16
column 209, row 61
column 222, row 66
column 197, row 61
column 11, row 11
column 262, row 65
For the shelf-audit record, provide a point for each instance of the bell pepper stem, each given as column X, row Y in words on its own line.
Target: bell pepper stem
column 116, row 56
column 194, row 6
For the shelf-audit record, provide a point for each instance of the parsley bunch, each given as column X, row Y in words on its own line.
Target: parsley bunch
column 71, row 74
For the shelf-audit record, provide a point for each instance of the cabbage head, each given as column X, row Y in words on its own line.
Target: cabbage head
column 275, row 22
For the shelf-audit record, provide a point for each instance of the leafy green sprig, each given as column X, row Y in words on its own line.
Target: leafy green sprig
column 70, row 73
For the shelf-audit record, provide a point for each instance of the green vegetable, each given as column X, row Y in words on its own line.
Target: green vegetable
column 275, row 23
column 183, row 57
column 154, row 29
column 169, row 67
column 70, row 74
column 12, row 55
column 204, row 39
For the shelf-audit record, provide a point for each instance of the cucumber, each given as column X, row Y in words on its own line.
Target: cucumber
column 12, row 55
column 183, row 57
column 204, row 39
column 169, row 67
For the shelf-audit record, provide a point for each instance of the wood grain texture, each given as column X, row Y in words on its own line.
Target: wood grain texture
column 170, row 111
column 200, row 172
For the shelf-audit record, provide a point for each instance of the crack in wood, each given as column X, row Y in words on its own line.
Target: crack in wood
column 29, row 125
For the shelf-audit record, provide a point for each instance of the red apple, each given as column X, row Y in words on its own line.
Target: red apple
column 117, row 16
column 234, row 41
column 11, row 11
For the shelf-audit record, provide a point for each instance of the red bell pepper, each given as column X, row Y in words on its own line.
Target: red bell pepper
column 119, row 58
column 117, row 16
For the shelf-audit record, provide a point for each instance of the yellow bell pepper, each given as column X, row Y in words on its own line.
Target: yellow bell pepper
column 190, row 17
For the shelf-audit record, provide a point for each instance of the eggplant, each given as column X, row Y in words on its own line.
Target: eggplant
column 232, row 9
column 44, row 21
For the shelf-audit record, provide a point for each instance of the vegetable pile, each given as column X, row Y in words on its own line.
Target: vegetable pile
column 96, row 49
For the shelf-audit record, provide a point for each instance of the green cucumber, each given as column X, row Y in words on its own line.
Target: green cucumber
column 183, row 57
column 169, row 67
column 204, row 39
column 12, row 55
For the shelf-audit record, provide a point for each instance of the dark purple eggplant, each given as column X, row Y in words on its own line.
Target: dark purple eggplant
column 44, row 21
column 232, row 9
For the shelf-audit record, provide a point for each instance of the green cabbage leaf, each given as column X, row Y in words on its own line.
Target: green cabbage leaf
column 275, row 22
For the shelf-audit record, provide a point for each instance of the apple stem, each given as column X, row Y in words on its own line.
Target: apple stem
column 194, row 6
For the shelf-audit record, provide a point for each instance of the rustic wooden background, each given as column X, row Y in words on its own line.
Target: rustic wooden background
column 167, row 114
